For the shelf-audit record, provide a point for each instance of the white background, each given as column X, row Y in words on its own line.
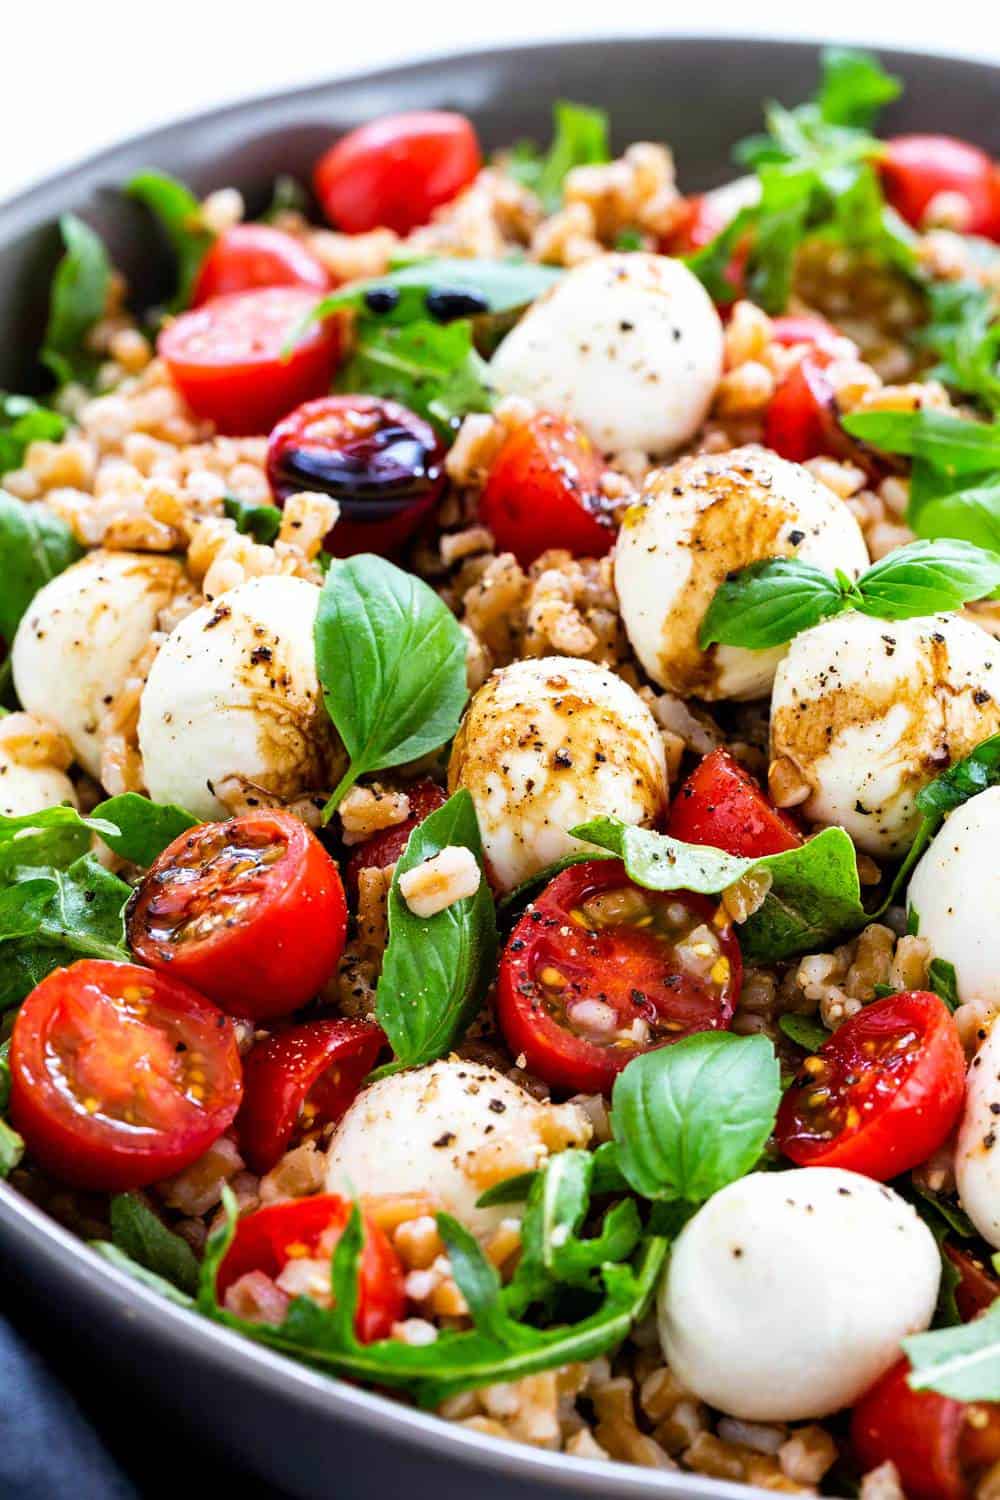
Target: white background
column 77, row 76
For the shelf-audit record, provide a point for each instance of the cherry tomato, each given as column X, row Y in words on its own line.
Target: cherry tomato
column 881, row 1094
column 384, row 848
column 917, row 168
column 978, row 1288
column 119, row 1076
column 939, row 1446
column 544, row 490
column 310, row 1228
column 721, row 804
column 300, row 1079
column 396, row 171
column 228, row 358
column 251, row 911
column 598, row 970
column 383, row 463
column 249, row 256
column 801, row 419
column 698, row 228
column 807, row 328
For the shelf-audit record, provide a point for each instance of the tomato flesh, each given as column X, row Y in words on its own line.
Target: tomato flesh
column 916, row 169
column 385, row 847
column 978, row 1288
column 598, row 970
column 120, row 1076
column 721, row 804
column 251, row 911
column 394, row 172
column 882, row 1094
column 228, row 357
column 250, row 256
column 299, row 1079
column 544, row 490
column 309, row 1228
column 801, row 419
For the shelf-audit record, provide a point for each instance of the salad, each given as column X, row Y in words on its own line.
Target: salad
column 500, row 785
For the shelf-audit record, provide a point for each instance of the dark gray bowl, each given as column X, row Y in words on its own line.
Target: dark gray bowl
column 310, row 1435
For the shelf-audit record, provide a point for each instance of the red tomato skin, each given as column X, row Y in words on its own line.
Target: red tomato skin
column 801, row 418
column 395, row 171
column 272, row 964
column 324, row 1061
column 261, row 1242
column 904, row 1129
column 978, row 1288
column 721, row 804
column 919, row 1431
column 916, row 168
column 807, row 328
column 76, row 1146
column 226, row 357
column 698, row 228
column 384, row 848
column 543, row 490
column 250, row 256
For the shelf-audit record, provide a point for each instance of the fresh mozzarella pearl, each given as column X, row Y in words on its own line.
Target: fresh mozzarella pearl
column 955, row 895
column 449, row 1130
column 700, row 520
column 27, row 789
column 547, row 744
column 865, row 712
column 233, row 697
column 629, row 346
column 78, row 640
column 788, row 1293
column 977, row 1149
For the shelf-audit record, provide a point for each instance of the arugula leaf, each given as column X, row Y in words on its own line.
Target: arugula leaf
column 77, row 299
column 391, row 662
column 579, row 139
column 694, row 1116
column 179, row 214
column 854, row 87
column 433, row 368
column 961, row 1362
column 11, row 1144
column 54, row 836
column 955, row 446
column 121, row 1261
column 437, row 969
column 143, row 828
column 23, row 421
column 804, row 1031
column 494, row 286
column 142, row 1235
column 35, row 545
column 964, row 332
column 262, row 522
column 942, row 979
column 974, row 773
column 768, row 603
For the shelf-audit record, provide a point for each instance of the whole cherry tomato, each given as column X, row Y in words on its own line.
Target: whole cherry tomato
column 385, row 847
column 251, row 911
column 250, row 256
column 916, row 169
column 396, row 171
column 119, row 1076
column 598, row 970
column 299, row 1079
column 544, row 490
column 265, row 1242
column 229, row 360
column 380, row 461
column 721, row 804
column 882, row 1094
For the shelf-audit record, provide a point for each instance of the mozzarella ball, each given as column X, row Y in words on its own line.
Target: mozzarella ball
column 546, row 744
column 450, row 1130
column 629, row 346
column 977, row 1148
column 695, row 523
column 76, row 644
column 865, row 712
column 28, row 789
column 788, row 1293
column 233, row 697
column 954, row 895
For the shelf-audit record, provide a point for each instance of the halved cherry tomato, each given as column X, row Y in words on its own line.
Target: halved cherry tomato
column 881, row 1094
column 397, row 170
column 228, row 358
column 598, row 970
column 544, row 490
column 721, row 804
column 251, row 911
column 384, row 848
column 119, row 1076
column 808, row 328
column 310, row 1227
column 801, row 418
column 939, row 1446
column 978, row 1288
column 379, row 460
column 917, row 168
column 299, row 1079
column 249, row 256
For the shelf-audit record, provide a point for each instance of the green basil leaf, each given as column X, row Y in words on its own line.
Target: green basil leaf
column 854, row 87
column 507, row 1190
column 144, row 828
column 179, row 214
column 974, row 773
column 951, row 444
column 942, row 979
column 694, row 1116
column 768, row 603
column 143, row 1236
column 77, row 300
column 433, row 368
column 23, row 421
column 501, row 286
column 437, row 969
column 262, row 522
column 964, row 332
column 121, row 1261
column 962, row 1362
column 391, row 662
column 972, row 514
column 580, row 138
column 925, row 577
column 804, row 1031
column 35, row 545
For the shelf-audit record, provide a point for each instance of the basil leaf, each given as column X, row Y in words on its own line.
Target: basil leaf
column 23, row 421
column 262, row 522
column 500, row 286
column 854, row 87
column 925, row 577
column 123, row 1262
column 974, row 773
column 804, row 1031
column 768, row 603
column 391, row 662
column 144, row 828
column 433, row 368
column 179, row 214
column 11, row 1144
column 942, row 979
column 436, row 970
column 143, row 1236
column 580, row 138
column 951, row 444
column 35, row 545
column 962, row 1362
column 77, row 300
column 972, row 514
column 691, row 1117
column 964, row 333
